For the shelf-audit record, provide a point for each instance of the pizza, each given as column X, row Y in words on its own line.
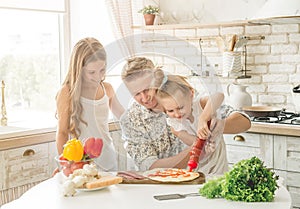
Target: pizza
column 171, row 175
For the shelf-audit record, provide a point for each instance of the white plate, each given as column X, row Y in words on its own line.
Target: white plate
column 89, row 190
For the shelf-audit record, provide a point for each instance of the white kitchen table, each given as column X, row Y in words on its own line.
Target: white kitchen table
column 47, row 195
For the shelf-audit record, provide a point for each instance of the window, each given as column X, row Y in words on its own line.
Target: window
column 30, row 65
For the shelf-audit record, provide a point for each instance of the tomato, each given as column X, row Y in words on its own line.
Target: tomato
column 67, row 171
column 63, row 161
column 77, row 165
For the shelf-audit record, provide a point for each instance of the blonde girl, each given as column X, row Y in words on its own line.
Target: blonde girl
column 189, row 115
column 84, row 101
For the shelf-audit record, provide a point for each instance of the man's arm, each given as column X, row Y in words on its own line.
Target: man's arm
column 177, row 161
column 236, row 123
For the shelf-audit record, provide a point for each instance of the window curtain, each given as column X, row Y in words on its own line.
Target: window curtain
column 120, row 12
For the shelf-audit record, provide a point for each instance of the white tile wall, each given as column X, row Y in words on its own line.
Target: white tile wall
column 274, row 62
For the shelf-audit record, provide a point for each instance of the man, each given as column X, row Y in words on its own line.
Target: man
column 149, row 139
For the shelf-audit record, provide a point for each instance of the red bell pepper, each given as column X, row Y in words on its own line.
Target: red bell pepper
column 93, row 147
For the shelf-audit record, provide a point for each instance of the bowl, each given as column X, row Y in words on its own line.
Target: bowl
column 68, row 167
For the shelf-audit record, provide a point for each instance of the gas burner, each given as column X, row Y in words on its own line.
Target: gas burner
column 266, row 119
column 284, row 117
column 288, row 115
column 296, row 121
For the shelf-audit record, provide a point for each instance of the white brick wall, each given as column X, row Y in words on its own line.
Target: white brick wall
column 274, row 62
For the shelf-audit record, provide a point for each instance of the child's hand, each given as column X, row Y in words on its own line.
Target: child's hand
column 217, row 127
column 203, row 129
column 210, row 147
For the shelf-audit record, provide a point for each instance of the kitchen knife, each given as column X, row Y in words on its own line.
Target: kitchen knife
column 174, row 196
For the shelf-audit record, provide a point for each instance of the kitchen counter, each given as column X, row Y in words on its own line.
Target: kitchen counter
column 133, row 196
column 13, row 137
column 7, row 132
column 275, row 128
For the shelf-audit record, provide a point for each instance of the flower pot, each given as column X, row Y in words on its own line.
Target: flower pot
column 149, row 19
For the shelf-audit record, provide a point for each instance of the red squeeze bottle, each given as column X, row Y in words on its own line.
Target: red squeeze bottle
column 196, row 152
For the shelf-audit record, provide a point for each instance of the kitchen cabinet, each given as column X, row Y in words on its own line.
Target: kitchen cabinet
column 23, row 167
column 287, row 164
column 279, row 152
column 27, row 158
column 118, row 142
column 125, row 162
column 247, row 145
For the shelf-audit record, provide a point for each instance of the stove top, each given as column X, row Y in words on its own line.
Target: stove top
column 284, row 117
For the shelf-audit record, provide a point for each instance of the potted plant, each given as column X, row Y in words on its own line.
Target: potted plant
column 149, row 13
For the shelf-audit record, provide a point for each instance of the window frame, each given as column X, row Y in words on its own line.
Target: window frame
column 64, row 36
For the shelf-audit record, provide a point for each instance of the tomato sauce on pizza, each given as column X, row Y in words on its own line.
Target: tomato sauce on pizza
column 171, row 174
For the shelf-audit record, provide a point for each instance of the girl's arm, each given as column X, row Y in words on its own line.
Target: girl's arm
column 210, row 104
column 114, row 104
column 63, row 117
column 185, row 137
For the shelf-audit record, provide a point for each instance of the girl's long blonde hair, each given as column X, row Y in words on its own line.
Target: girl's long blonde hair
column 85, row 51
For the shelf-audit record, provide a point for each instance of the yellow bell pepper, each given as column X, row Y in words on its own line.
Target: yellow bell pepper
column 73, row 150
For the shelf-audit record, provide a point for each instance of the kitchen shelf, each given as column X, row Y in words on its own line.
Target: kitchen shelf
column 194, row 25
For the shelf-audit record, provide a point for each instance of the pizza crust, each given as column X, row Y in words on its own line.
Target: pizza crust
column 170, row 175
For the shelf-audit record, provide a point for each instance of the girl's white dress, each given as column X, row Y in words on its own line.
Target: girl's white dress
column 212, row 162
column 96, row 113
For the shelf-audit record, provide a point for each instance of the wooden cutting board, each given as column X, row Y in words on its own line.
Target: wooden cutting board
column 198, row 180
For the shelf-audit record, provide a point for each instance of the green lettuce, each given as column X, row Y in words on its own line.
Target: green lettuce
column 249, row 181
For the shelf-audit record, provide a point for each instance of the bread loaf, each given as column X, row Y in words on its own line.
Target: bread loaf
column 104, row 181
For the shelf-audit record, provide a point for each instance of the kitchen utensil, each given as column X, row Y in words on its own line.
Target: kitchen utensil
column 68, row 167
column 238, row 96
column 195, row 153
column 296, row 89
column 199, row 180
column 147, row 180
column 240, row 42
column 296, row 98
column 174, row 196
column 220, row 43
column 232, row 63
column 232, row 43
column 262, row 111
